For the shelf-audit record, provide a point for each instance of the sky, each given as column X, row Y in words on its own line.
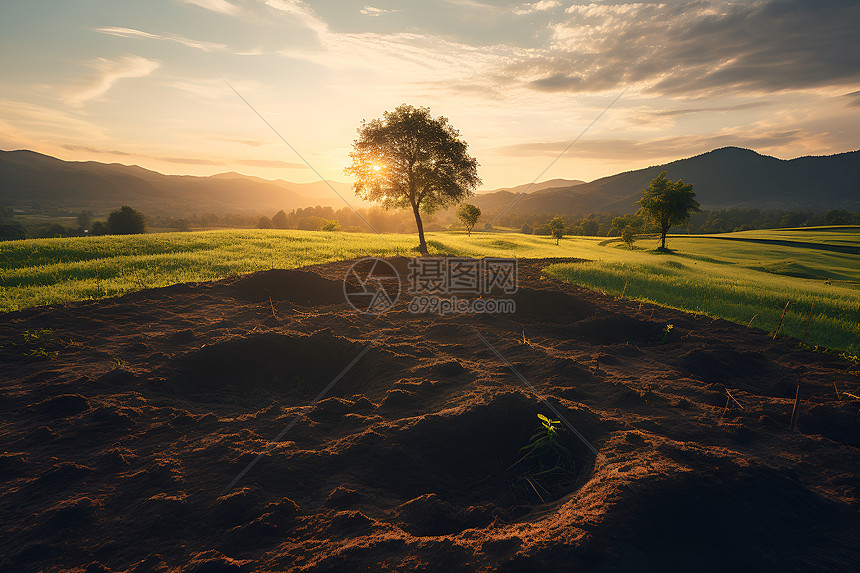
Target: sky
column 163, row 84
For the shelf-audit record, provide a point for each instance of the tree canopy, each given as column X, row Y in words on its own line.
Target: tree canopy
column 668, row 203
column 411, row 160
column 469, row 215
column 556, row 227
column 126, row 221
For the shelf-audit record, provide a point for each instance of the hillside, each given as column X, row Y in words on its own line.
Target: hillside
column 723, row 178
column 535, row 187
column 28, row 178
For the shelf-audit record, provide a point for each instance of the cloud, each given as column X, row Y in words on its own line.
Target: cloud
column 248, row 142
column 132, row 33
column 408, row 59
column 532, row 7
column 854, row 98
column 690, row 110
column 29, row 123
column 371, row 11
column 106, row 74
column 96, row 150
column 473, row 4
column 220, row 6
column 271, row 163
column 698, row 47
column 301, row 12
column 667, row 147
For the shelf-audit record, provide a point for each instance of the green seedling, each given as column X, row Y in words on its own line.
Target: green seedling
column 545, row 458
column 31, row 336
column 42, row 353
column 667, row 332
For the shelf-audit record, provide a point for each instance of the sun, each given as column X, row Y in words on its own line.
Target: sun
column 377, row 168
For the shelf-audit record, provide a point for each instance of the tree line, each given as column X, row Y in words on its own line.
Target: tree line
column 706, row 221
column 123, row 221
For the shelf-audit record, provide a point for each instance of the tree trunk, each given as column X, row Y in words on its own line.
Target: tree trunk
column 664, row 230
column 422, row 244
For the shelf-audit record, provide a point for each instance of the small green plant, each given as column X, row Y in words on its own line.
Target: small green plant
column 42, row 353
column 667, row 332
column 31, row 336
column 545, row 460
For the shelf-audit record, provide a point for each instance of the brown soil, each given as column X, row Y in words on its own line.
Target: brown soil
column 118, row 452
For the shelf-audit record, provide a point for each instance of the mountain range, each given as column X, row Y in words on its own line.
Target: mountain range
column 28, row 178
column 723, row 178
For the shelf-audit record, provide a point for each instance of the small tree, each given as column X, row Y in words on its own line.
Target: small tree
column 85, row 219
column 628, row 236
column 556, row 228
column 408, row 159
column 526, row 229
column 331, row 225
column 279, row 221
column 668, row 203
column 98, row 228
column 126, row 221
column 469, row 215
column 264, row 222
column 12, row 230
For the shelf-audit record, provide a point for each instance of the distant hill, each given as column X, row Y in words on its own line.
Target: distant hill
column 27, row 177
column 497, row 200
column 723, row 178
column 532, row 188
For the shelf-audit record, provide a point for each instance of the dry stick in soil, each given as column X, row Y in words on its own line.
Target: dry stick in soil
column 752, row 319
column 729, row 400
column 741, row 406
column 808, row 318
column 794, row 411
column 778, row 326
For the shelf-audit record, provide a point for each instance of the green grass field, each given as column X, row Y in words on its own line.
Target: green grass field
column 733, row 279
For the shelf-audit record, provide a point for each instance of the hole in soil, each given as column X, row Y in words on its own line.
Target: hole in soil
column 267, row 364
column 470, row 458
column 747, row 370
column 300, row 287
column 547, row 306
column 616, row 328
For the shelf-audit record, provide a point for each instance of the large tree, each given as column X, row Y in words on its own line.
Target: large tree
column 668, row 203
column 411, row 160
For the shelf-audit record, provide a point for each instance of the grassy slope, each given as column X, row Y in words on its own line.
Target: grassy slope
column 728, row 279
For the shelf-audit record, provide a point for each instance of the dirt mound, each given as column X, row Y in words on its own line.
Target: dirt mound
column 177, row 430
column 616, row 328
column 722, row 509
column 300, row 287
column 550, row 306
